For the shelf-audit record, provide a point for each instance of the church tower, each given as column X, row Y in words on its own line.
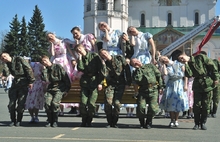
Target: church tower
column 113, row 12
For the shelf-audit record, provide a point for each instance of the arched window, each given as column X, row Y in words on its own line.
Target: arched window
column 169, row 19
column 196, row 18
column 142, row 20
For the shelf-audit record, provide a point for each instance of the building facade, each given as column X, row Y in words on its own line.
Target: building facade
column 167, row 20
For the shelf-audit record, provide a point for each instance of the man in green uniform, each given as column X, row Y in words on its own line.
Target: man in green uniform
column 149, row 80
column 215, row 94
column 23, row 78
column 117, row 73
column 90, row 82
column 205, row 79
column 59, row 86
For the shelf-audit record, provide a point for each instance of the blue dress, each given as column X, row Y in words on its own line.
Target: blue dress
column 174, row 97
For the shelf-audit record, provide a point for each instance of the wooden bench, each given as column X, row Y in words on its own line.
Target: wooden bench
column 74, row 95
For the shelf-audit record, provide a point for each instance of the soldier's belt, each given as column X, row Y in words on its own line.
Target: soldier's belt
column 19, row 77
column 202, row 77
column 150, row 85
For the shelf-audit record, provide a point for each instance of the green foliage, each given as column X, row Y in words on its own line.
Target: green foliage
column 38, row 44
column 12, row 38
column 27, row 40
column 24, row 48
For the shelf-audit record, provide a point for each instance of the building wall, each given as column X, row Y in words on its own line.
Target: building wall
column 182, row 15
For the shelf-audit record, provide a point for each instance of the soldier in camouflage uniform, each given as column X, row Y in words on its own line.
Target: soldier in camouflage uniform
column 90, row 64
column 206, row 78
column 117, row 73
column 59, row 86
column 149, row 80
column 23, row 78
column 216, row 93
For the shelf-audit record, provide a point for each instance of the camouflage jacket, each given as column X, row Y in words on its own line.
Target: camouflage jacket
column 21, row 70
column 91, row 66
column 148, row 77
column 204, row 71
column 117, row 71
column 57, row 78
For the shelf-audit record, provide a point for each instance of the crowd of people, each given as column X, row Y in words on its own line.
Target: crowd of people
column 171, row 84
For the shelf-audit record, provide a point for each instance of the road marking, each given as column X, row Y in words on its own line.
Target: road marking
column 58, row 136
column 75, row 128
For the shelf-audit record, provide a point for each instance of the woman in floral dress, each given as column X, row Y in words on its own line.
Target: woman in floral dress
column 35, row 98
column 175, row 98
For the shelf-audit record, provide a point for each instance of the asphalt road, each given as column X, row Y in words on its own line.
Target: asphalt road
column 128, row 130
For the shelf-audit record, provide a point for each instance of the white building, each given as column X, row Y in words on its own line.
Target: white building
column 167, row 20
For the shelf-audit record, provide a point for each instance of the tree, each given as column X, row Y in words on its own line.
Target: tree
column 23, row 43
column 12, row 38
column 38, row 44
column 2, row 39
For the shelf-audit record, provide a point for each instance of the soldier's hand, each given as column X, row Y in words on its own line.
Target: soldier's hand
column 160, row 91
column 65, row 94
column 216, row 82
column 100, row 87
column 30, row 86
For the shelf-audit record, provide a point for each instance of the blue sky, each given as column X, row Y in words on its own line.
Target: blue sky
column 59, row 15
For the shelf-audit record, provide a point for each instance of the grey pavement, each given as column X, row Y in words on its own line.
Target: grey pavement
column 128, row 130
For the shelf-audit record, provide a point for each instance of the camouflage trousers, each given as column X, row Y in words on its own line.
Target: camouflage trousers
column 149, row 97
column 17, row 94
column 215, row 99
column 87, row 101
column 52, row 101
column 201, row 105
column 113, row 96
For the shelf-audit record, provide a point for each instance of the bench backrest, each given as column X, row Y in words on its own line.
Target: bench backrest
column 74, row 95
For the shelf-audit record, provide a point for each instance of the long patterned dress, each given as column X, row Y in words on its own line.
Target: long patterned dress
column 61, row 57
column 141, row 48
column 35, row 98
column 174, row 98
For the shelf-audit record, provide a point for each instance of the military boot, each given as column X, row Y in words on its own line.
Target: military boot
column 49, row 119
column 141, row 120
column 114, row 121
column 109, row 120
column 89, row 121
column 19, row 119
column 13, row 119
column 197, row 121
column 149, row 122
column 54, row 119
column 84, row 121
column 203, row 121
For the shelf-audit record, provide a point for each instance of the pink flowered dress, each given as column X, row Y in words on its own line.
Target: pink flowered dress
column 85, row 41
column 35, row 98
column 61, row 57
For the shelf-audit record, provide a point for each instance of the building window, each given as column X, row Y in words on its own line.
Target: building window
column 101, row 5
column 169, row 19
column 142, row 20
column 196, row 18
column 88, row 5
column 169, row 2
